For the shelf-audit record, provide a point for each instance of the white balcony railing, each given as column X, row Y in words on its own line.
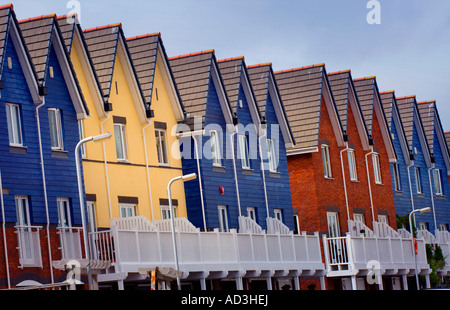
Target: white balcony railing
column 29, row 246
column 70, row 242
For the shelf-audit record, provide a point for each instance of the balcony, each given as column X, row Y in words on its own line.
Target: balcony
column 441, row 238
column 136, row 244
column 363, row 251
column 29, row 246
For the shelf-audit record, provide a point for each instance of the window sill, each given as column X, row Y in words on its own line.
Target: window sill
column 440, row 196
column 274, row 174
column 123, row 161
column 60, row 154
column 247, row 171
column 16, row 149
column 328, row 178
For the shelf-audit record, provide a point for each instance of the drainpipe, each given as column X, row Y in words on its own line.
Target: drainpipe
column 106, row 166
column 343, row 178
column 146, row 165
column 432, row 197
column 199, row 179
column 4, row 232
column 368, row 183
column 44, row 184
column 410, row 188
column 264, row 134
column 235, row 173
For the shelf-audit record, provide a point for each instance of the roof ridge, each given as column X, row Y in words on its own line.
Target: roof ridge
column 300, row 68
column 387, row 92
column 232, row 58
column 145, row 36
column 260, row 65
column 193, row 54
column 406, row 97
column 342, row 71
column 428, row 101
column 104, row 27
column 67, row 15
column 37, row 18
column 365, row 78
column 10, row 5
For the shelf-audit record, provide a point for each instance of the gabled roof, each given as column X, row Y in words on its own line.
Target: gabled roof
column 447, row 138
column 344, row 94
column 41, row 33
column 391, row 110
column 72, row 33
column 301, row 90
column 9, row 28
column 432, row 124
column 234, row 74
column 370, row 101
column 105, row 44
column 264, row 85
column 410, row 116
column 193, row 73
column 146, row 51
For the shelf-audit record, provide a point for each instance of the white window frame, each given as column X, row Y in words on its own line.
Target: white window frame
column 223, row 218
column 251, row 213
column 14, row 123
column 92, row 218
column 243, row 151
column 127, row 210
column 333, row 224
column 359, row 217
column 397, row 181
column 352, row 165
column 278, row 213
column 271, row 155
column 423, row 226
column 383, row 219
column 166, row 212
column 443, row 227
column 418, row 180
column 376, row 168
column 120, row 133
column 22, row 211
column 58, row 144
column 81, row 137
column 64, row 213
column 161, row 147
column 215, row 148
column 437, row 182
column 326, row 161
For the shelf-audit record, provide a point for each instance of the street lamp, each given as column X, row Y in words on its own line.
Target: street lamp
column 423, row 210
column 80, row 193
column 184, row 178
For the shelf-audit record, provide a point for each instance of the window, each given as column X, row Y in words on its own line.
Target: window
column 223, row 218
column 165, row 212
column 326, row 161
column 383, row 219
column 81, row 137
column 127, row 210
column 443, row 227
column 56, row 130
column 352, row 165
column 278, row 214
column 358, row 217
column 243, row 151
column 14, row 124
column 397, row 183
column 251, row 213
column 63, row 212
column 376, row 168
column 121, row 142
column 418, row 180
column 333, row 224
column 437, row 182
column 92, row 220
column 423, row 226
column 271, row 156
column 161, row 146
column 22, row 211
column 215, row 148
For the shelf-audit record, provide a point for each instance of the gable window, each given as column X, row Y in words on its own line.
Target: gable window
column 271, row 156
column 397, row 183
column 121, row 142
column 56, row 129
column 376, row 168
column 127, row 210
column 161, row 146
column 437, row 182
column 243, row 151
column 14, row 124
column 352, row 165
column 418, row 180
column 326, row 161
column 215, row 148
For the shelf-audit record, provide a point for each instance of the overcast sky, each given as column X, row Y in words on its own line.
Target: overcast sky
column 409, row 51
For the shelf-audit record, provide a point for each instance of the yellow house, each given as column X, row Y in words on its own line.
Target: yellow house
column 127, row 175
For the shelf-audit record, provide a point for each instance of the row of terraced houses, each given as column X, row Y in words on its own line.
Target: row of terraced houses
column 216, row 174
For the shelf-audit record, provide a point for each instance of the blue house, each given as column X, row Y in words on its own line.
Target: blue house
column 220, row 143
column 439, row 218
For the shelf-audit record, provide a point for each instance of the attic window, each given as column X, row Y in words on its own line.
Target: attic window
column 51, row 72
column 9, row 63
column 156, row 93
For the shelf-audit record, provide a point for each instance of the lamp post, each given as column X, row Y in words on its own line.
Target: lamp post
column 184, row 178
column 423, row 210
column 80, row 193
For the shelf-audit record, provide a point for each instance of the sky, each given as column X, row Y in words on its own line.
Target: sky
column 408, row 51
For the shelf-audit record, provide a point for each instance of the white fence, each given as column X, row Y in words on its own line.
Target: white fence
column 70, row 242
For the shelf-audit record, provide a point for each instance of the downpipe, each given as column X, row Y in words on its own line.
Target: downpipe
column 369, row 182
column 147, row 168
column 343, row 179
column 4, row 232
